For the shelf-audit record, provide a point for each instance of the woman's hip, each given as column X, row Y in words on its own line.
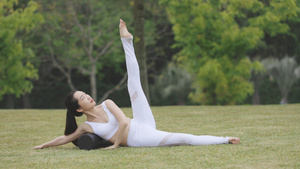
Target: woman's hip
column 143, row 135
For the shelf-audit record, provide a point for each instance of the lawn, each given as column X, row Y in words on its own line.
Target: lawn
column 270, row 138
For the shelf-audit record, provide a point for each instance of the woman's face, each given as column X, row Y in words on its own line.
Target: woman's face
column 84, row 100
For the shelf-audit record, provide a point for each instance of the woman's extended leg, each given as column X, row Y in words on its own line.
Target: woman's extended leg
column 146, row 136
column 174, row 139
column 140, row 106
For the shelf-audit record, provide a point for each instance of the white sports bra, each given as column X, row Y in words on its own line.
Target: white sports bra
column 105, row 130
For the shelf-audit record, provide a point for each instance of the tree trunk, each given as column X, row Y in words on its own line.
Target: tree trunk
column 256, row 97
column 26, row 101
column 140, row 49
column 93, row 82
column 69, row 79
column 284, row 99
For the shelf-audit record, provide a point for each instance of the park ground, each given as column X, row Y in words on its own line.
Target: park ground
column 270, row 138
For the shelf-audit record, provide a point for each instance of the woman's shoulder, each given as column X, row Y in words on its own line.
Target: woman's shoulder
column 109, row 104
column 86, row 128
column 105, row 102
column 108, row 101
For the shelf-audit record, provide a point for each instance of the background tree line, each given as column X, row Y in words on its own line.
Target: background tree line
column 198, row 52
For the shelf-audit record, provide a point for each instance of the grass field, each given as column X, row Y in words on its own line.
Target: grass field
column 270, row 138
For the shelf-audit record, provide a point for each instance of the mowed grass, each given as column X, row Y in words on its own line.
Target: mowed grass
column 270, row 138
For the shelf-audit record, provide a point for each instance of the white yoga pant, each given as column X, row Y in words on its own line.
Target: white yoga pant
column 142, row 132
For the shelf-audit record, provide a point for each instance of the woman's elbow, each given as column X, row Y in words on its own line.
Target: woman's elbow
column 125, row 123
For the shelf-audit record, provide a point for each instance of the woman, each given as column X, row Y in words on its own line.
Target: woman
column 109, row 122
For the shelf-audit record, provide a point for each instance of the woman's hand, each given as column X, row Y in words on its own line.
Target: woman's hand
column 110, row 147
column 38, row 147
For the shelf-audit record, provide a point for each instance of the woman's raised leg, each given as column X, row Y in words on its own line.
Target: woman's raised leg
column 140, row 106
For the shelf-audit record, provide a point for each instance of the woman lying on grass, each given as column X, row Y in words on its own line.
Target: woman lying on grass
column 109, row 122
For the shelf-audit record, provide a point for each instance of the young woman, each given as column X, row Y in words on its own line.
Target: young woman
column 109, row 122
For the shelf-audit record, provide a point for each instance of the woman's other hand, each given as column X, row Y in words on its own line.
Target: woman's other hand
column 38, row 147
column 110, row 147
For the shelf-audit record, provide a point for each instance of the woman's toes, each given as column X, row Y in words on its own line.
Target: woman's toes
column 123, row 29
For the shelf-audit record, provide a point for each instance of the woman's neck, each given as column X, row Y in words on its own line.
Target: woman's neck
column 91, row 114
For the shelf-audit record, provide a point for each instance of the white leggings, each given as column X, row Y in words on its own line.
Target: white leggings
column 143, row 132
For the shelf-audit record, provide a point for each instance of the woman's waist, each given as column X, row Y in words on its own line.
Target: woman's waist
column 124, row 141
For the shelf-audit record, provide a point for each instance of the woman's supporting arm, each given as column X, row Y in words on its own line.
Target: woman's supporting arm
column 123, row 123
column 65, row 139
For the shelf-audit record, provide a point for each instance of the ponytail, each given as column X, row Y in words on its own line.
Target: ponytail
column 71, row 126
column 72, row 105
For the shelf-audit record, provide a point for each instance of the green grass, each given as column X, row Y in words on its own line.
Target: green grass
column 270, row 138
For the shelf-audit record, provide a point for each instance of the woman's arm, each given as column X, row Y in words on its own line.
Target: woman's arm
column 123, row 122
column 65, row 139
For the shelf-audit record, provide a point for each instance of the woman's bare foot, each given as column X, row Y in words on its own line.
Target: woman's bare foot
column 234, row 140
column 123, row 30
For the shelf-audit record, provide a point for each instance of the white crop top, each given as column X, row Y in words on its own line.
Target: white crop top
column 105, row 130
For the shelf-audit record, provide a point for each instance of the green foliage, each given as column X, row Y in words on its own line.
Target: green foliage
column 215, row 37
column 83, row 36
column 283, row 42
column 16, row 68
column 224, row 80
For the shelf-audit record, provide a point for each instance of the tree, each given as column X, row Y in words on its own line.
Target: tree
column 216, row 37
column 83, row 38
column 278, row 46
column 16, row 68
column 256, row 79
column 139, row 42
column 285, row 72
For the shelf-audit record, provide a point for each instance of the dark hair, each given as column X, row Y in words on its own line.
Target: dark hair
column 72, row 105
